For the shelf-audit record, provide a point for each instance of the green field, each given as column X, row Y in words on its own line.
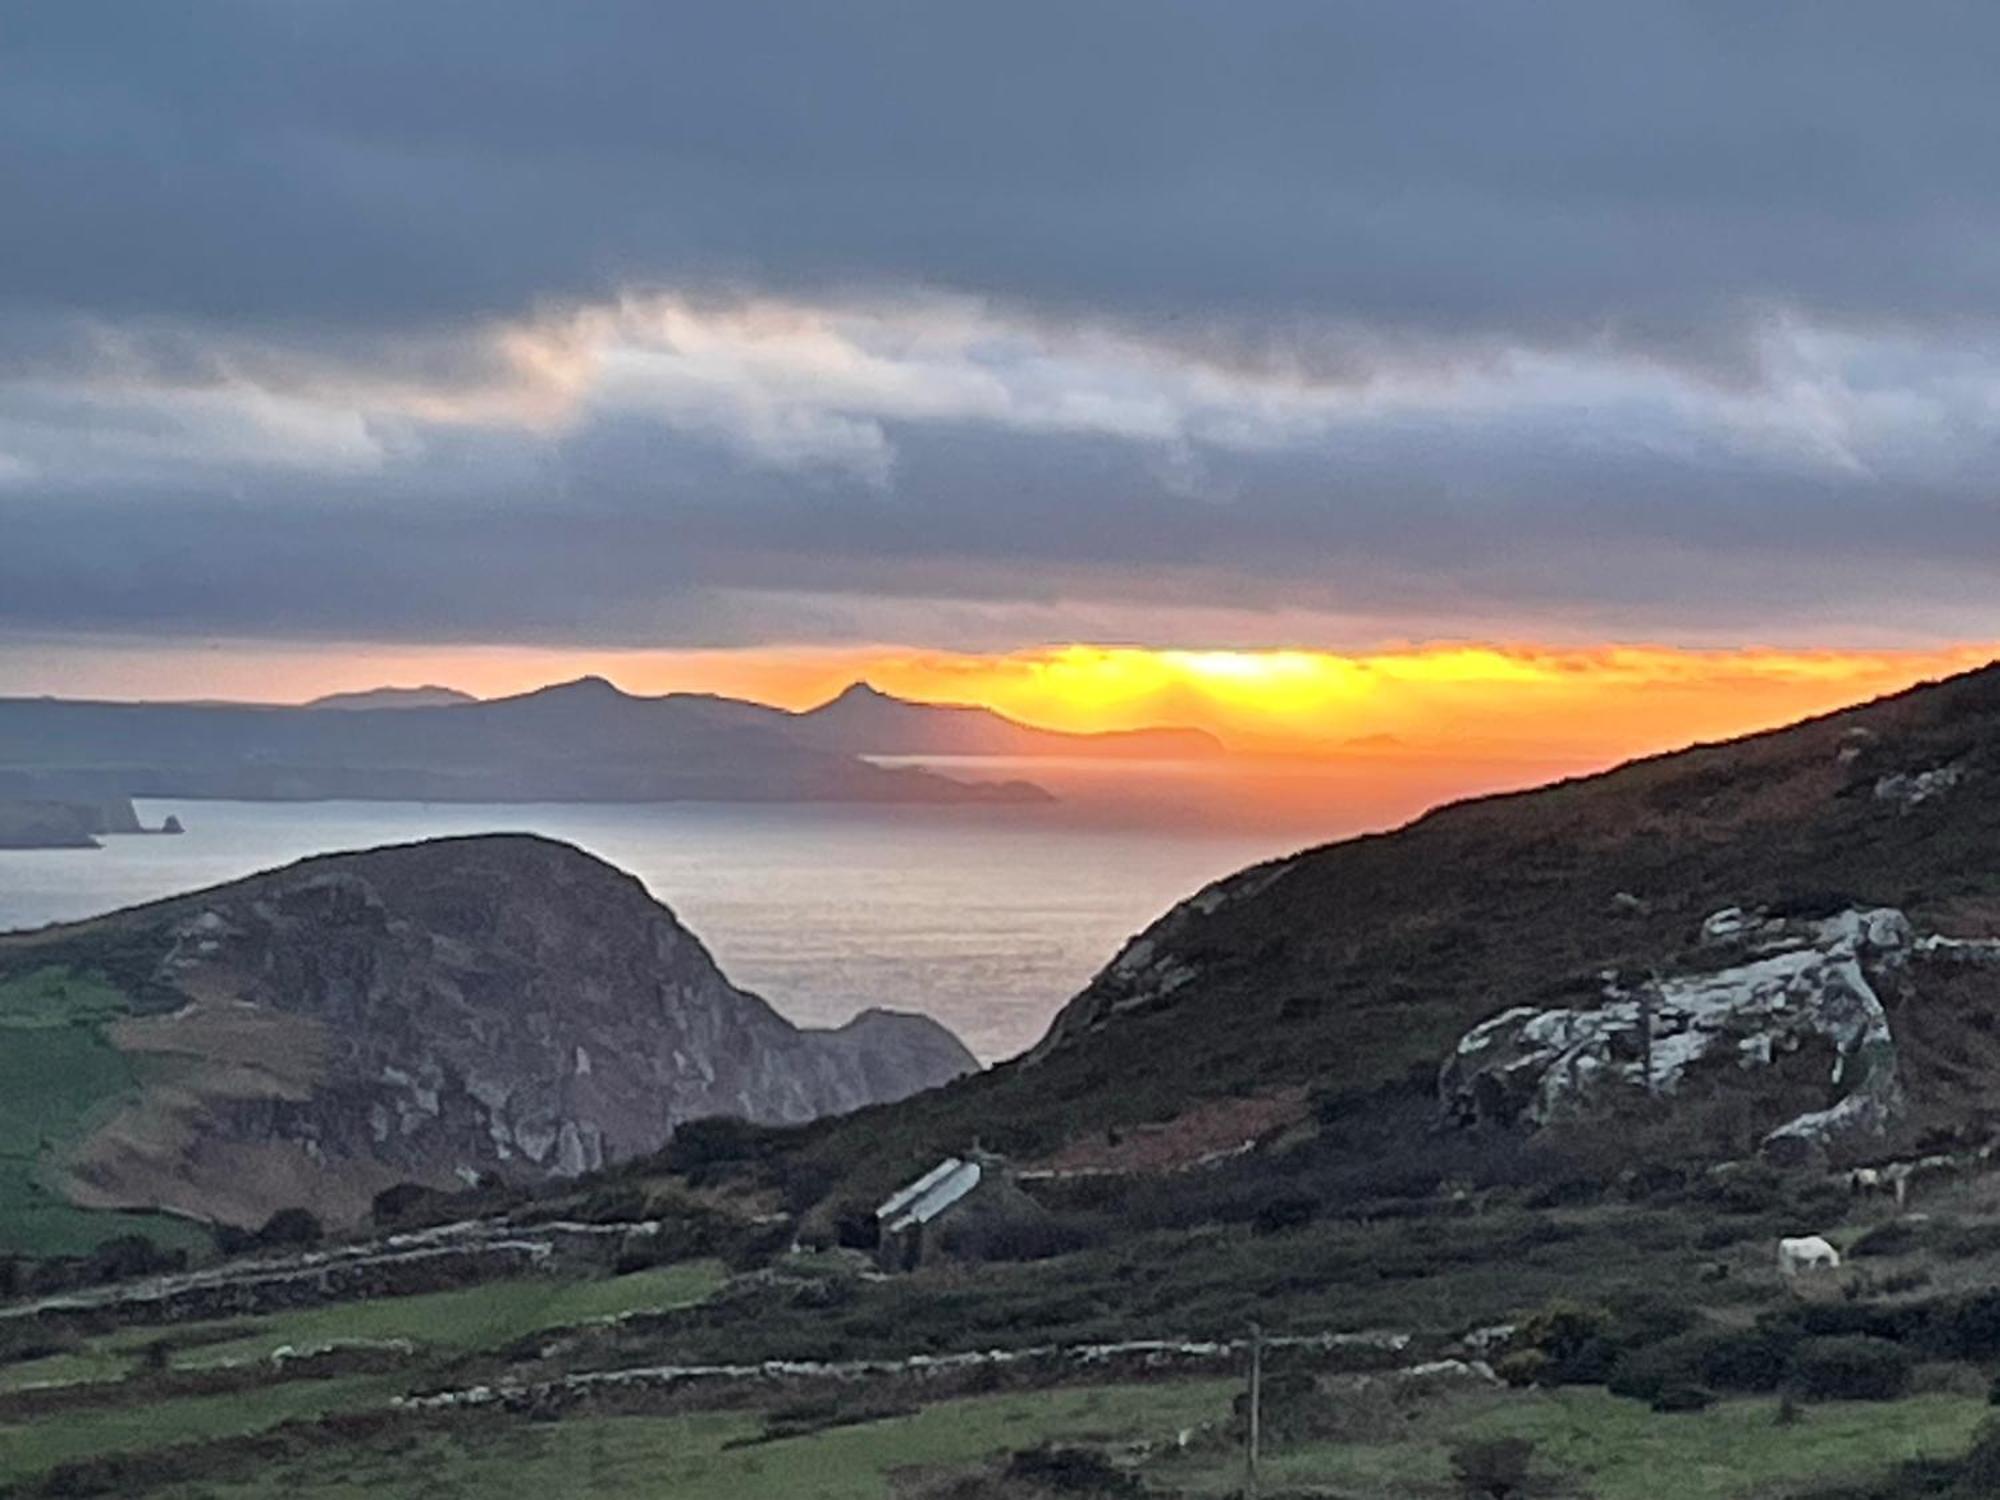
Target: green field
column 443, row 1324
column 691, row 1457
column 30, row 1448
column 1622, row 1450
column 1586, row 1443
column 58, row 1076
column 489, row 1316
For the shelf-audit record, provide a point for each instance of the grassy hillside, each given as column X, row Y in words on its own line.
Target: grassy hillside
column 59, row 1078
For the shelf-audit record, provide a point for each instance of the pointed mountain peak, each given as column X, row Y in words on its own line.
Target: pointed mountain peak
column 592, row 689
column 862, row 697
column 593, row 685
column 863, row 691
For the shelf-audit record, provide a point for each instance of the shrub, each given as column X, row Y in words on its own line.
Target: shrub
column 1022, row 1238
column 1852, row 1369
column 1979, row 1470
column 1897, row 1237
column 1071, row 1471
column 1716, row 1359
column 1948, row 1378
column 1677, row 1398
column 1970, row 1241
column 1493, row 1468
column 1640, row 1316
column 1750, row 1189
column 1284, row 1211
column 1966, row 1328
column 396, row 1206
column 291, row 1227
column 716, row 1146
column 1574, row 1341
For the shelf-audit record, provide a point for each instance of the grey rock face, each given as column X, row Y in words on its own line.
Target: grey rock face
column 1793, row 982
column 508, row 1003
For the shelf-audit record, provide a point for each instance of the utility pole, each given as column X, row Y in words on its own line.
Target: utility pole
column 1256, row 1407
column 1649, row 1008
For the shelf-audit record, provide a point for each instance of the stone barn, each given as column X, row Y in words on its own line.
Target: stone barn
column 959, row 1193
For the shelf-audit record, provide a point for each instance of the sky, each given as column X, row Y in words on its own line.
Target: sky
column 752, row 346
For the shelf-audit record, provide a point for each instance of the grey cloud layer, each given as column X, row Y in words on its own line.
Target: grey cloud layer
column 1644, row 317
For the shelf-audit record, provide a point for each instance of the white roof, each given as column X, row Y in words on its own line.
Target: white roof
column 930, row 1195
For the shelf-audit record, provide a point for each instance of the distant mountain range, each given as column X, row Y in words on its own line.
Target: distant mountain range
column 578, row 741
column 866, row 721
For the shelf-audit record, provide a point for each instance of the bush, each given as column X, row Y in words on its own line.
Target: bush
column 1897, row 1237
column 1574, row 1342
column 292, row 1228
column 1716, row 1359
column 1493, row 1468
column 1851, row 1369
column 395, row 1207
column 1750, row 1189
column 1071, row 1471
column 1284, row 1211
column 1640, row 1316
column 717, row 1146
column 1677, row 1398
column 1023, row 1238
column 1974, row 1477
column 1965, row 1328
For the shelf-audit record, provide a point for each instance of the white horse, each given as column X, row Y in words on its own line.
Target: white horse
column 1806, row 1254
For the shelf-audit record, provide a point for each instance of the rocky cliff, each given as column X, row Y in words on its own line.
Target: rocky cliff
column 70, row 822
column 432, row 1012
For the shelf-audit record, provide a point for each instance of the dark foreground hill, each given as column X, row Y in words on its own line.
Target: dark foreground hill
column 1777, row 942
column 430, row 1012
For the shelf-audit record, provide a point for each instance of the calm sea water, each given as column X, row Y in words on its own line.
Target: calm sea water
column 985, row 918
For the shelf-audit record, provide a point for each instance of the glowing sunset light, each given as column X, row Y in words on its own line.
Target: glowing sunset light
column 1554, row 708
column 1572, row 706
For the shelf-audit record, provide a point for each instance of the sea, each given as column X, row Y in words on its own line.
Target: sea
column 986, row 917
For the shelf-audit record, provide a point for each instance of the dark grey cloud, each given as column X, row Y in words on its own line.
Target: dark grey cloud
column 1660, row 318
column 1543, row 172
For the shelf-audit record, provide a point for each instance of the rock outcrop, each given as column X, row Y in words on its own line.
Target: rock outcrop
column 63, row 822
column 1791, row 985
column 1794, row 985
column 437, row 1011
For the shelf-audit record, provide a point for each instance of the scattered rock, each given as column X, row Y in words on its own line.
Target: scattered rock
column 1911, row 789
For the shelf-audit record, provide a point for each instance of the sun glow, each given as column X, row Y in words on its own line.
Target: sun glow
column 1557, row 707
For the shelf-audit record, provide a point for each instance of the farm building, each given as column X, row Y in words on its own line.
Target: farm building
column 913, row 1223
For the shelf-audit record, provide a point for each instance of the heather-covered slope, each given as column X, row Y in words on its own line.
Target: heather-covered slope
column 1360, row 967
